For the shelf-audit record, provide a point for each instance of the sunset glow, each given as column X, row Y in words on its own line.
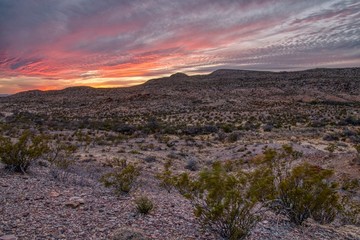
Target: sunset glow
column 56, row 44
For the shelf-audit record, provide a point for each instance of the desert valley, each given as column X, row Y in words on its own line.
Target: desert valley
column 142, row 162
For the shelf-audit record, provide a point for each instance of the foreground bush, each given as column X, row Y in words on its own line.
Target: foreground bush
column 221, row 200
column 308, row 192
column 18, row 156
column 301, row 192
column 122, row 178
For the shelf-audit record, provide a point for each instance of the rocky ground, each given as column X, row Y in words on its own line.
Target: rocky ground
column 36, row 206
column 229, row 116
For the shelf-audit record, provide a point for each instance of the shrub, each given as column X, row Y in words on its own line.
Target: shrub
column 233, row 137
column 331, row 148
column 122, row 178
column 166, row 177
column 143, row 204
column 221, row 201
column 350, row 211
column 18, row 156
column 308, row 192
column 61, row 158
column 302, row 192
column 61, row 155
column 267, row 127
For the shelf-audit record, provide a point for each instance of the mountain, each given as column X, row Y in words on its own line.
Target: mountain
column 233, row 90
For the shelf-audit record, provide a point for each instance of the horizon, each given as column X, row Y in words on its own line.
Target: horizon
column 54, row 45
column 168, row 76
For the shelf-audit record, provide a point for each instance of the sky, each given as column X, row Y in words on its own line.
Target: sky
column 54, row 44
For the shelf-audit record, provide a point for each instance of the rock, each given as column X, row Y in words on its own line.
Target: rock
column 8, row 237
column 75, row 202
column 128, row 234
column 54, row 194
column 141, row 140
column 293, row 138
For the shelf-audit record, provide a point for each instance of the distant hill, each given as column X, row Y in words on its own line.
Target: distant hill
column 233, row 90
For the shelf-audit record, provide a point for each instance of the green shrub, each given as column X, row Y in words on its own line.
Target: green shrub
column 233, row 137
column 302, row 192
column 122, row 178
column 350, row 203
column 61, row 158
column 166, row 177
column 308, row 192
column 18, row 156
column 61, row 155
column 221, row 200
column 143, row 204
column 350, row 211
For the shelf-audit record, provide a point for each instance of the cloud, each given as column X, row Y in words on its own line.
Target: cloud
column 70, row 41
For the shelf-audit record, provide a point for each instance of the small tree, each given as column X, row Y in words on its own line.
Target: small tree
column 18, row 156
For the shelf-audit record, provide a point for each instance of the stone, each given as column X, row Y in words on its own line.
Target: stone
column 75, row 202
column 8, row 237
column 54, row 194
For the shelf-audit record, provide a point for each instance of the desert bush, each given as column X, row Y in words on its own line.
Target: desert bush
column 122, row 178
column 350, row 204
column 18, row 156
column 221, row 200
column 233, row 137
column 350, row 211
column 331, row 148
column 143, row 204
column 152, row 126
column 267, row 127
column 301, row 192
column 166, row 177
column 61, row 154
column 227, row 128
column 308, row 192
column 61, row 157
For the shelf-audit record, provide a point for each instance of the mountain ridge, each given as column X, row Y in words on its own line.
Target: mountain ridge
column 226, row 90
column 220, row 73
